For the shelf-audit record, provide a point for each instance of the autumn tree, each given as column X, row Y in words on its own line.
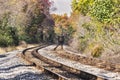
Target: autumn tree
column 27, row 17
column 97, row 25
column 64, row 26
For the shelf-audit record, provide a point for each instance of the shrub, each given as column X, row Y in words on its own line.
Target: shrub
column 97, row 50
column 5, row 40
column 83, row 43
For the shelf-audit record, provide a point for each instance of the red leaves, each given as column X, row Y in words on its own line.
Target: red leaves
column 48, row 3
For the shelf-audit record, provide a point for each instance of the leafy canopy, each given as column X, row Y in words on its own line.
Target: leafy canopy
column 105, row 11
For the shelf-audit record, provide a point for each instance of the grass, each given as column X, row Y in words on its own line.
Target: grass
column 11, row 48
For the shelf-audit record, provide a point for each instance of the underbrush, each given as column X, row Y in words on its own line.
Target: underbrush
column 96, row 39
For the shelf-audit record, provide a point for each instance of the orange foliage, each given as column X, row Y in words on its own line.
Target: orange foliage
column 61, row 20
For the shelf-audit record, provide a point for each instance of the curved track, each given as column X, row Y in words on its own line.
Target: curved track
column 30, row 55
column 55, row 68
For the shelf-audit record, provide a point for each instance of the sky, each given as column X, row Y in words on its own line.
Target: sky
column 62, row 7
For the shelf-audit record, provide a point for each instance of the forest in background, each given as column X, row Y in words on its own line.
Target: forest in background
column 97, row 28
column 25, row 20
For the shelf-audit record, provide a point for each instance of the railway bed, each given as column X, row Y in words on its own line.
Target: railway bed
column 58, row 66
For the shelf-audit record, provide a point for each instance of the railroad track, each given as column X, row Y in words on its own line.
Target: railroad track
column 56, row 69
column 30, row 55
column 89, row 61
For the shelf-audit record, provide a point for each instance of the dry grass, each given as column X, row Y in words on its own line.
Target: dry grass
column 97, row 50
column 11, row 48
column 2, row 50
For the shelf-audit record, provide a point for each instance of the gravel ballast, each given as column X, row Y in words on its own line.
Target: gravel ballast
column 46, row 52
column 12, row 67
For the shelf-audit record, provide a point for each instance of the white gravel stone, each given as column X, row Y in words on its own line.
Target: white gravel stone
column 90, row 69
column 13, row 68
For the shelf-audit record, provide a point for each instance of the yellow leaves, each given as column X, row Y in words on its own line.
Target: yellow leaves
column 57, row 30
column 116, row 1
column 12, row 2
